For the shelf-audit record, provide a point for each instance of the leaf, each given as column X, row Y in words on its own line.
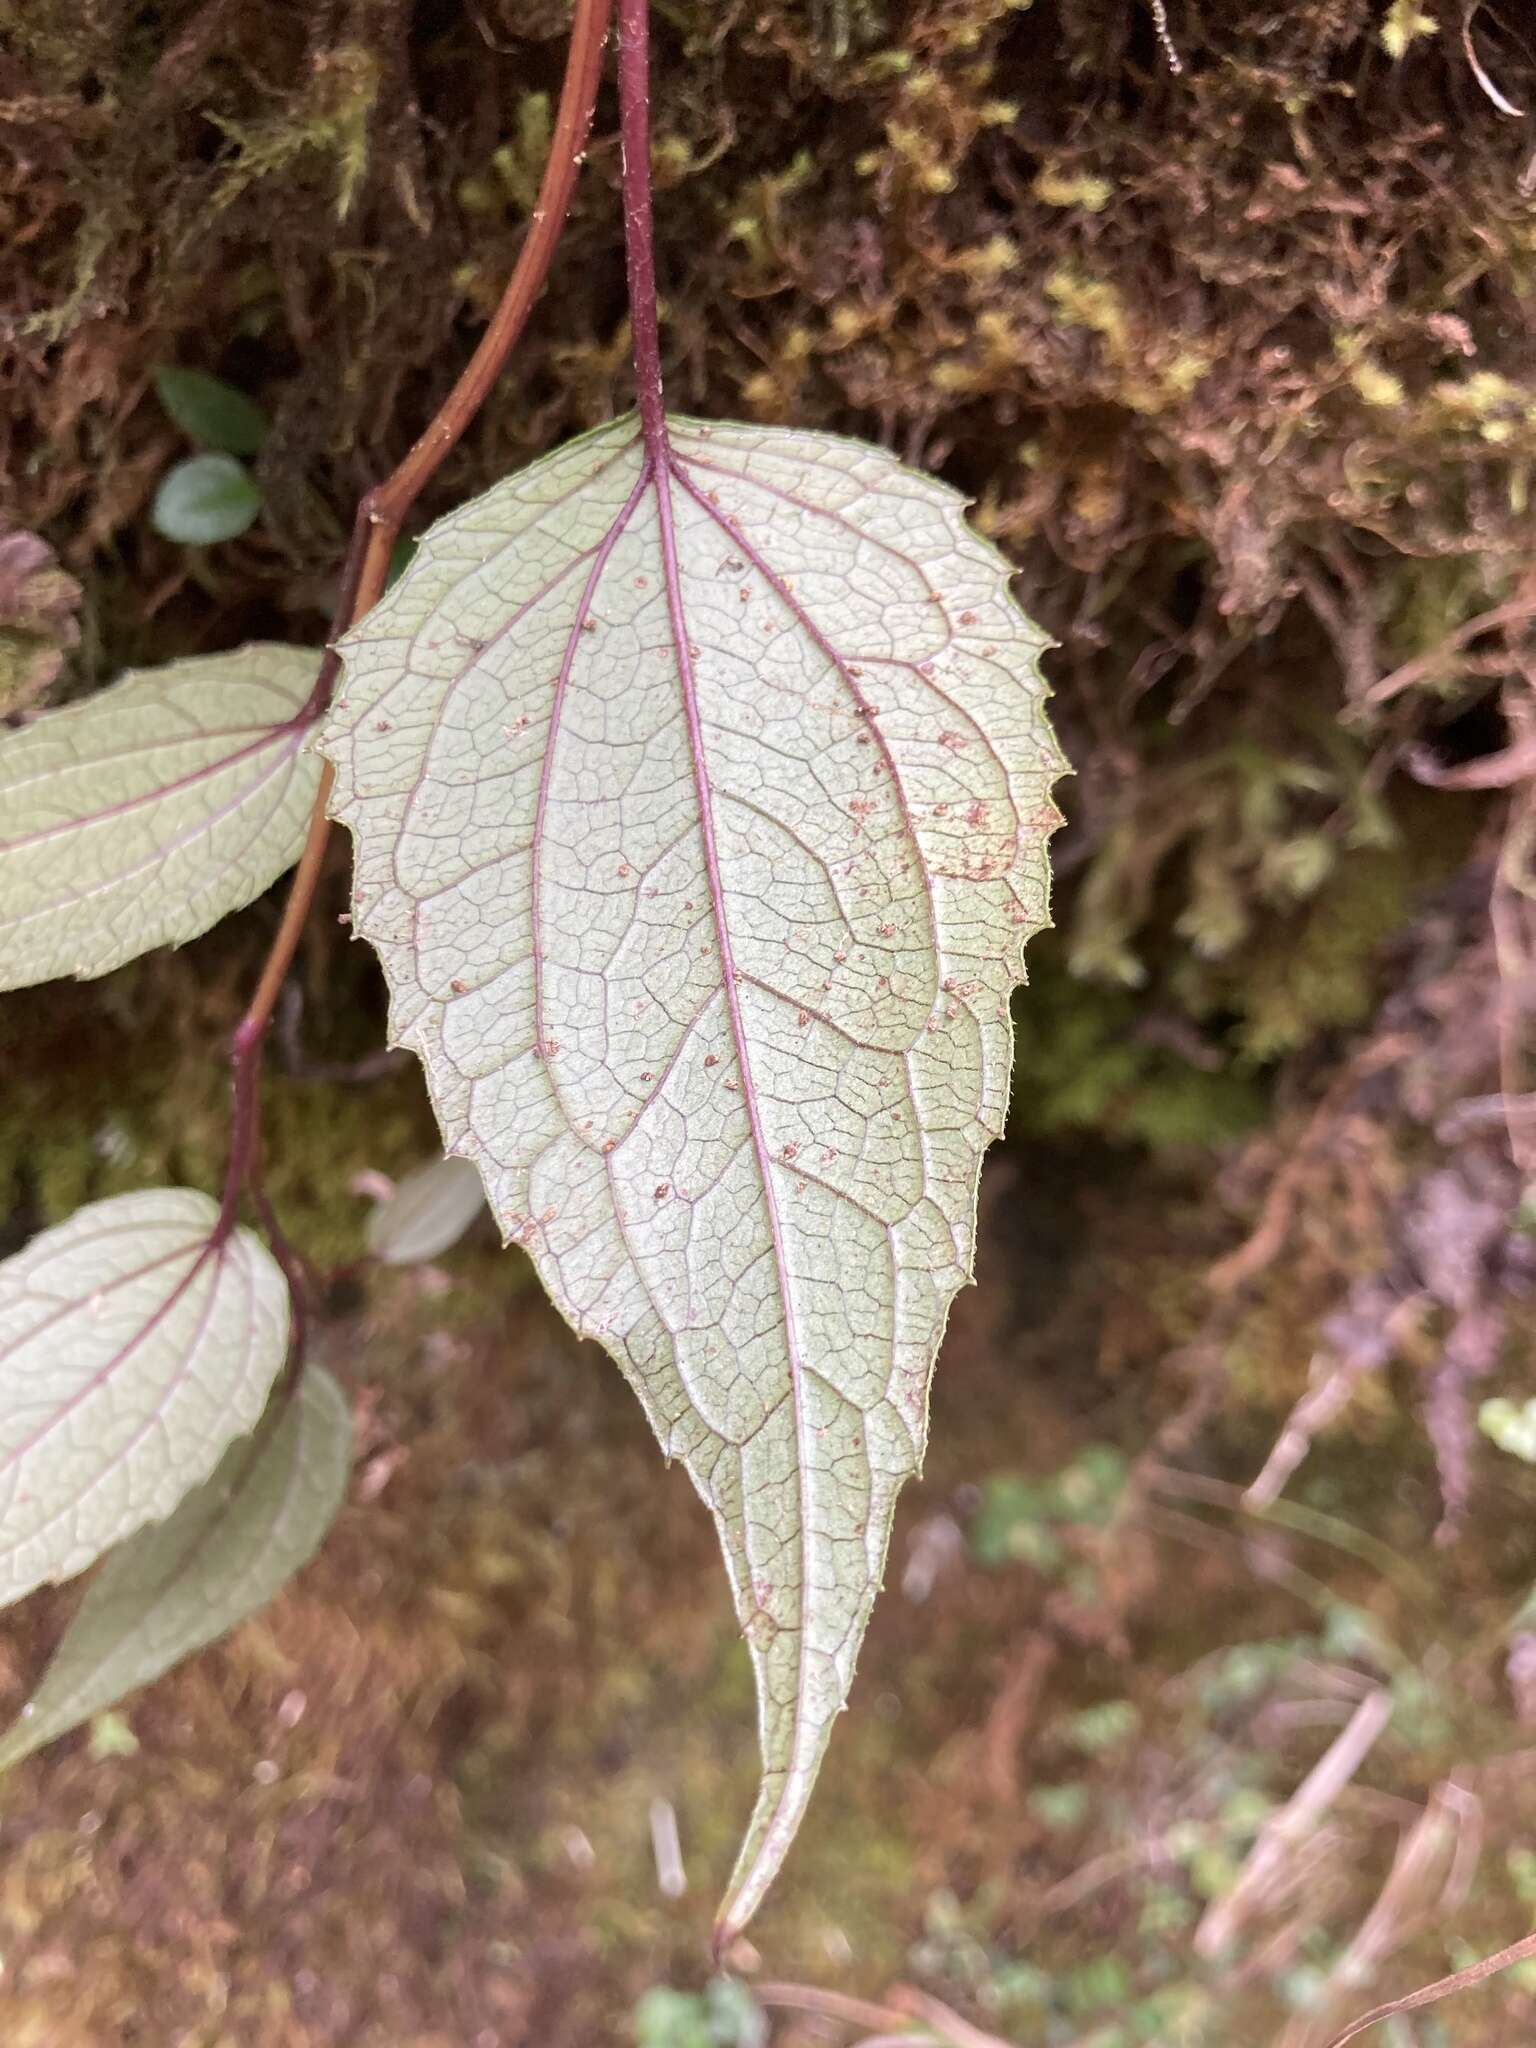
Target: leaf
column 430, row 1210
column 132, row 1350
column 700, row 823
column 207, row 498
column 723, row 2015
column 208, row 410
column 143, row 815
column 233, row 1543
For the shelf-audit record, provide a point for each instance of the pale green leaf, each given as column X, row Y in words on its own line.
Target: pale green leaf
column 701, row 819
column 143, row 815
column 430, row 1210
column 132, row 1350
column 227, row 1549
column 211, row 411
column 205, row 499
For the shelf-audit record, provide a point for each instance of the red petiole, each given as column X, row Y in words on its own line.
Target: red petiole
column 376, row 527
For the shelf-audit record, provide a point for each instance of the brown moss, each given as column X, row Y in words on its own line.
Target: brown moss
column 1231, row 358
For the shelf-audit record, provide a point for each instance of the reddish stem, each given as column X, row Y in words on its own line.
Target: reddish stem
column 639, row 236
column 374, row 531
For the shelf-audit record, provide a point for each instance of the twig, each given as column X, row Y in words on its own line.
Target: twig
column 1372, row 1333
column 1094, row 1875
column 1510, row 766
column 1424, row 666
column 1015, row 1707
column 1296, row 1820
column 938, row 2025
column 1504, row 104
column 1416, row 1891
column 1443, row 1987
column 943, row 2019
column 828, row 2005
column 1393, row 1565
column 1510, row 925
column 1269, row 1235
column 379, row 516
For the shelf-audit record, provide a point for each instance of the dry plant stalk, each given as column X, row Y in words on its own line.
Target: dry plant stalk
column 1443, row 1987
column 1429, row 1877
column 1265, row 1872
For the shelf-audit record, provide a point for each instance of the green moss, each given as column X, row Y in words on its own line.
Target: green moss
column 333, row 117
column 1083, row 1063
column 89, row 1126
column 1325, row 973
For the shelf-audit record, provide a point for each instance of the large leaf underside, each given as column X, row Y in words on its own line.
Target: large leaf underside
column 701, row 814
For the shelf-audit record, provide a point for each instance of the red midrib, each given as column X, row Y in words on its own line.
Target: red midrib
column 661, row 478
column 265, row 736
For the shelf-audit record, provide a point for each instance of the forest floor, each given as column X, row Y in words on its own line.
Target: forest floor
column 425, row 1800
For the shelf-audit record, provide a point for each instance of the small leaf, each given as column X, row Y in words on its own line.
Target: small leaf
column 205, row 499
column 723, row 2015
column 132, row 1350
column 233, row 1543
column 143, row 815
column 210, row 411
column 430, row 1210
column 701, row 810
column 665, row 2018
column 111, row 1735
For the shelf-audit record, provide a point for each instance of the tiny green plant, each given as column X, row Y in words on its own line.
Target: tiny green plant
column 211, row 496
column 700, row 786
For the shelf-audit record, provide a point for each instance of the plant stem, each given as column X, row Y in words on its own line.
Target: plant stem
column 374, row 532
column 639, row 236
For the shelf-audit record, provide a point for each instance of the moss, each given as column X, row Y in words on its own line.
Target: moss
column 334, row 117
column 1160, row 241
column 1084, row 1062
column 88, row 1126
column 1324, row 974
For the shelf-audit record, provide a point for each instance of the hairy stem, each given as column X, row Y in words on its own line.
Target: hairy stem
column 639, row 237
column 374, row 532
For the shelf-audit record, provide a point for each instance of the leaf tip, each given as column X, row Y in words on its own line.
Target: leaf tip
column 782, row 1799
column 723, row 1938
